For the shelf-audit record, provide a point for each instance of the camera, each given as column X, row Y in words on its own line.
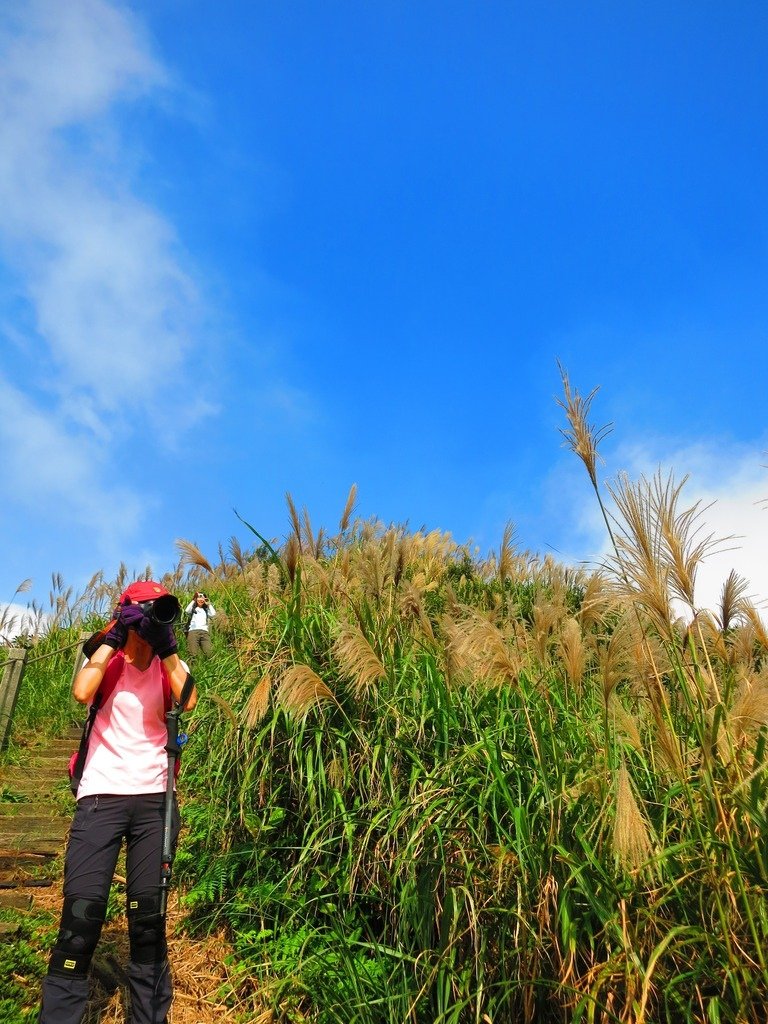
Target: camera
column 163, row 611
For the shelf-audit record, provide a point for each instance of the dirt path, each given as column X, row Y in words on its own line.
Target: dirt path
column 35, row 811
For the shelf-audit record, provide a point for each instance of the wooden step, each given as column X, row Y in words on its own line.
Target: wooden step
column 58, row 746
column 24, row 867
column 34, row 783
column 15, row 900
column 50, row 756
column 29, row 833
column 49, row 823
column 22, row 880
column 46, row 847
column 30, row 859
column 32, row 808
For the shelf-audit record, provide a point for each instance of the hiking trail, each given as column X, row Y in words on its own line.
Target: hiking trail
column 36, row 808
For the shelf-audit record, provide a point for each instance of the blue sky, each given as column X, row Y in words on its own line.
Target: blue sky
column 251, row 248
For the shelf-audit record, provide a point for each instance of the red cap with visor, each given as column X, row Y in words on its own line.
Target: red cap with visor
column 143, row 590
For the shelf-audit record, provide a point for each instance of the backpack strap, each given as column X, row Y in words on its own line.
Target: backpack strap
column 102, row 695
column 167, row 694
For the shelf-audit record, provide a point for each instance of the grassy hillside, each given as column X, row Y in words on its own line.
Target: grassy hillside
column 429, row 789
column 426, row 787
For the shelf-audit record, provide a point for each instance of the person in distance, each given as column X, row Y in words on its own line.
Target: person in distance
column 200, row 611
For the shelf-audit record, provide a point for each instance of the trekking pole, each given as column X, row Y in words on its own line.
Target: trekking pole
column 173, row 747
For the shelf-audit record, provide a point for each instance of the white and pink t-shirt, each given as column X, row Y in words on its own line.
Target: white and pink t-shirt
column 126, row 750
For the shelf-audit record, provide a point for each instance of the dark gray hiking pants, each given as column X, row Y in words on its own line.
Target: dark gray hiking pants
column 198, row 642
column 98, row 828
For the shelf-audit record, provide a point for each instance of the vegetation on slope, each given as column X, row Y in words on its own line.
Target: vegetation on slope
column 427, row 787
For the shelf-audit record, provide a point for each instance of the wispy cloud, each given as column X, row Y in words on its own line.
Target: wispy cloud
column 727, row 479
column 49, row 460
column 110, row 317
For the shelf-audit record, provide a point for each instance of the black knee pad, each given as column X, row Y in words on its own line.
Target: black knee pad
column 146, row 929
column 81, row 922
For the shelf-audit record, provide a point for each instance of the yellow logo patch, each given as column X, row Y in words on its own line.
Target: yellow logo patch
column 70, row 964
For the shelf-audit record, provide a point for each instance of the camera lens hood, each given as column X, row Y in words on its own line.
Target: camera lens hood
column 163, row 611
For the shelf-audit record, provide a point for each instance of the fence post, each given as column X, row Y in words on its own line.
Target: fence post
column 13, row 670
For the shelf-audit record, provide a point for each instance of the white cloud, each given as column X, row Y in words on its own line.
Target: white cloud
column 62, row 471
column 102, row 269
column 111, row 320
column 732, row 481
column 64, row 63
column 727, row 477
column 16, row 619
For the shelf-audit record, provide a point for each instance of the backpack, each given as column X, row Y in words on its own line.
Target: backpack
column 102, row 695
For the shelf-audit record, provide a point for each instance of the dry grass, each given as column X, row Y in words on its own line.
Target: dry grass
column 632, row 845
column 258, row 702
column 199, row 968
column 301, row 689
column 580, row 436
column 191, row 555
column 349, row 508
column 357, row 659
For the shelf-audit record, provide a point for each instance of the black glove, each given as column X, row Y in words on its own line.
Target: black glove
column 160, row 638
column 127, row 616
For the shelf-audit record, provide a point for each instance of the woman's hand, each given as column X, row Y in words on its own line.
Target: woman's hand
column 127, row 616
column 160, row 638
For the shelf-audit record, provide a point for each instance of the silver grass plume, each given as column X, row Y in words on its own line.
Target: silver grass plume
column 581, row 436
column 632, row 837
column 357, row 659
column 731, row 604
column 191, row 555
column 294, row 517
column 258, row 702
column 301, row 689
column 349, row 508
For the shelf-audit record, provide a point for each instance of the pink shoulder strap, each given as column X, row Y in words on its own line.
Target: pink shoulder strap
column 111, row 675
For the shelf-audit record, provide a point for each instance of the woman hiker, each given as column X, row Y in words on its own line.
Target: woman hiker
column 198, row 638
column 121, row 794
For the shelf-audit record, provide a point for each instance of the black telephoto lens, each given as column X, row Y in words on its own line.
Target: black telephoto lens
column 164, row 610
